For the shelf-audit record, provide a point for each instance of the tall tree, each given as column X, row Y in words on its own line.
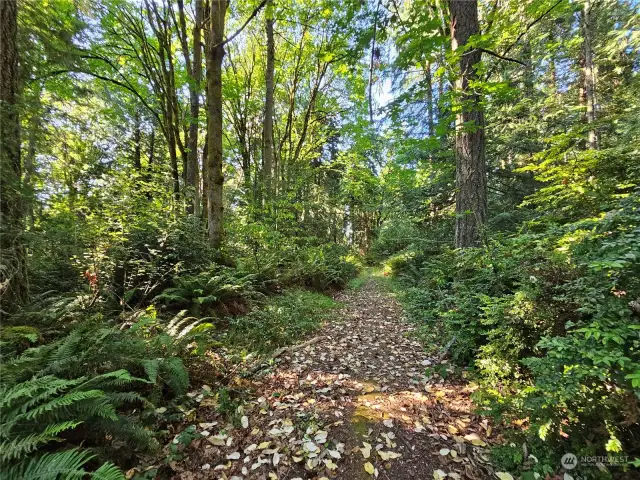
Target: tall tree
column 194, row 70
column 215, row 54
column 588, row 72
column 267, row 153
column 471, row 177
column 13, row 285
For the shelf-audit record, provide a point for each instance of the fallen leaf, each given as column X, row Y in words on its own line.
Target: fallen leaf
column 439, row 475
column 388, row 455
column 329, row 464
column 369, row 468
column 218, row 440
column 504, row 476
column 475, row 439
column 366, row 451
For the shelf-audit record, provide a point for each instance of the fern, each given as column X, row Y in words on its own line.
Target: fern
column 122, row 398
column 87, row 378
column 175, row 375
column 108, row 471
column 65, row 465
column 19, row 447
column 50, row 384
column 151, row 368
column 138, row 437
column 117, row 378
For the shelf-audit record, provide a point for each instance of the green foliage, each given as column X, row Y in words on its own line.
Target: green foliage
column 321, row 268
column 282, row 320
column 87, row 385
column 68, row 464
column 14, row 340
column 126, row 291
column 206, row 289
column 544, row 321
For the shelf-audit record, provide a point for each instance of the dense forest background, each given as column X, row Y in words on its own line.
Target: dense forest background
column 182, row 179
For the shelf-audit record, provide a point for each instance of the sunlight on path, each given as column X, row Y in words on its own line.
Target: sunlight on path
column 356, row 404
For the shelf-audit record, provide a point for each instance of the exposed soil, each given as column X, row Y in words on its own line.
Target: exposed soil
column 355, row 404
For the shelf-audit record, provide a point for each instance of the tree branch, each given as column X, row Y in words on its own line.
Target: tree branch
column 530, row 25
column 246, row 22
column 526, row 30
column 502, row 57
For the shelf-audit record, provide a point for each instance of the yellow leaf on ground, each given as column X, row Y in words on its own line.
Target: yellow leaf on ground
column 369, row 468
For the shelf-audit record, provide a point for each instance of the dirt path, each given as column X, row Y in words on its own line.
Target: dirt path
column 356, row 404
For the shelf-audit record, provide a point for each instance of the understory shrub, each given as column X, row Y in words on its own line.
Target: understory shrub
column 549, row 322
column 282, row 320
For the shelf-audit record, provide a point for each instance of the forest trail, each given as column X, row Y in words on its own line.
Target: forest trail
column 355, row 403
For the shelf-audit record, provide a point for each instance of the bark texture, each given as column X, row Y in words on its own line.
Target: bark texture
column 471, row 176
column 215, row 54
column 13, row 285
column 267, row 152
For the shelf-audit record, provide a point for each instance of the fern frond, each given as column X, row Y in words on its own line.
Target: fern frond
column 108, row 471
column 26, row 365
column 151, row 368
column 117, row 378
column 131, row 432
column 178, row 318
column 19, row 447
column 196, row 328
column 67, row 348
column 176, row 376
column 54, row 387
column 67, row 464
column 61, row 402
column 120, row 398
column 50, row 384
column 56, row 428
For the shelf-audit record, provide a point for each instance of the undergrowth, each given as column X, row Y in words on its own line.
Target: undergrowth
column 546, row 323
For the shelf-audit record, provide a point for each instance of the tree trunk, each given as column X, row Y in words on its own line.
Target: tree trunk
column 13, row 281
column 205, row 176
column 471, row 179
column 137, row 147
column 267, row 133
column 589, row 73
column 372, row 62
column 194, row 69
column 429, row 85
column 161, row 28
column 30, row 158
column 215, row 55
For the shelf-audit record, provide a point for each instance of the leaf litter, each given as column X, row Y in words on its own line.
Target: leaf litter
column 355, row 404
